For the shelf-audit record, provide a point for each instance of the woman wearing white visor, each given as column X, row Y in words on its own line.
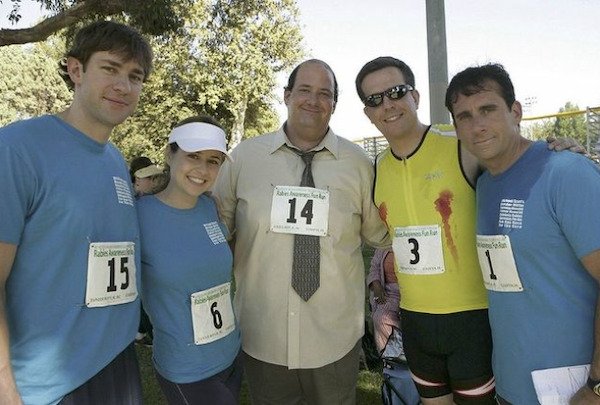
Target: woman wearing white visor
column 186, row 273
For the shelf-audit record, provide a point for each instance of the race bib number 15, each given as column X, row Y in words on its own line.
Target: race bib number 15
column 110, row 274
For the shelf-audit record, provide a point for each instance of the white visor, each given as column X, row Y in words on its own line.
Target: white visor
column 199, row 136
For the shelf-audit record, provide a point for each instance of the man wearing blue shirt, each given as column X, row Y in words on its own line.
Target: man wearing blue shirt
column 538, row 241
column 69, row 239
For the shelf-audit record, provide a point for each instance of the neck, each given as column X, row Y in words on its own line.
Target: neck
column 305, row 139
column 176, row 200
column 95, row 131
column 404, row 144
column 509, row 157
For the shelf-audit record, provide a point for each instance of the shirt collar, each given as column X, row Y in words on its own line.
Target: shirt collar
column 330, row 142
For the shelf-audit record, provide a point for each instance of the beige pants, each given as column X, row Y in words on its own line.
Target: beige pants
column 332, row 384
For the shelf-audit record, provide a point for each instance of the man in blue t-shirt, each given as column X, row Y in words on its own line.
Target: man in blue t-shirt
column 69, row 239
column 538, row 243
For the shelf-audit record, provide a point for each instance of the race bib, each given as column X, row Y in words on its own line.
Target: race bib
column 300, row 210
column 418, row 249
column 497, row 263
column 111, row 274
column 212, row 315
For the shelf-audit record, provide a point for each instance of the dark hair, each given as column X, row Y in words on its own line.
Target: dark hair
column 208, row 119
column 108, row 36
column 381, row 63
column 292, row 78
column 138, row 163
column 474, row 80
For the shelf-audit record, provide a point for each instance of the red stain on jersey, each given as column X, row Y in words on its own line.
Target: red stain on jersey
column 443, row 205
column 383, row 213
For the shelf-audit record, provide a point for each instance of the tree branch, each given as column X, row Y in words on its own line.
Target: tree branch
column 49, row 26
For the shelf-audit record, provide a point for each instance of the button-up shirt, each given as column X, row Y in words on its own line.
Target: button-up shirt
column 277, row 326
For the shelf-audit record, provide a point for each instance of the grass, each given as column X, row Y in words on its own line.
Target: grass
column 368, row 390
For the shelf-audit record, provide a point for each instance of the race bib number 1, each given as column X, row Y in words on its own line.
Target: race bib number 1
column 111, row 274
column 212, row 315
column 498, row 264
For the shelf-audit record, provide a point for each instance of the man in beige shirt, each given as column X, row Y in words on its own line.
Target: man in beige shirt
column 301, row 349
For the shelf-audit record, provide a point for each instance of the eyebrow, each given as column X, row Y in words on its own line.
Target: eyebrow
column 119, row 64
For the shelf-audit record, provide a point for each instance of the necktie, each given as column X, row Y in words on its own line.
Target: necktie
column 307, row 250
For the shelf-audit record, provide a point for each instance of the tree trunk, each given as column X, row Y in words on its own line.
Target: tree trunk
column 237, row 129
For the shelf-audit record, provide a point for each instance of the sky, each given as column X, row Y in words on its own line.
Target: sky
column 551, row 48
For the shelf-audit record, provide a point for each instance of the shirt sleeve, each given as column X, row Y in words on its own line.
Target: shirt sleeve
column 225, row 193
column 17, row 185
column 576, row 195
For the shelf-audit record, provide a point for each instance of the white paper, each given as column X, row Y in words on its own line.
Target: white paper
column 555, row 386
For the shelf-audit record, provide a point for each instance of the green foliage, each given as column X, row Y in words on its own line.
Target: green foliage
column 572, row 126
column 568, row 126
column 30, row 84
column 222, row 59
column 223, row 62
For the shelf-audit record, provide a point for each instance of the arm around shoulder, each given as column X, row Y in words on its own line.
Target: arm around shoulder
column 8, row 389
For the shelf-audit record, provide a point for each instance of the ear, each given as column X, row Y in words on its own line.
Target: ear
column 286, row 96
column 75, row 70
column 416, row 96
column 365, row 110
column 517, row 111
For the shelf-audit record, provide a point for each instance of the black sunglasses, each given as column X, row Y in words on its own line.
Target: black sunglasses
column 393, row 93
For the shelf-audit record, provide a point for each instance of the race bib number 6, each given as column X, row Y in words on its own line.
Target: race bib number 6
column 212, row 315
column 111, row 274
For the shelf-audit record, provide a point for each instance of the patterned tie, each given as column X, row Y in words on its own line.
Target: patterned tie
column 307, row 250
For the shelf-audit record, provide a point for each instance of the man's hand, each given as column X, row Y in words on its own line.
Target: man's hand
column 564, row 143
column 585, row 396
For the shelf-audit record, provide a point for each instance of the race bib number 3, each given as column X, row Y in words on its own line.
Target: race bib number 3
column 300, row 210
column 111, row 274
column 418, row 250
column 212, row 315
column 497, row 263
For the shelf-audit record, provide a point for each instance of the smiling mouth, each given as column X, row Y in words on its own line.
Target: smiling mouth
column 393, row 118
column 119, row 102
column 196, row 180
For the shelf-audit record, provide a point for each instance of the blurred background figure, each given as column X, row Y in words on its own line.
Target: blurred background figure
column 146, row 177
column 384, row 297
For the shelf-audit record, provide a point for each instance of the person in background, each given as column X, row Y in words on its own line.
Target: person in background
column 384, row 296
column 187, row 273
column 538, row 241
column 69, row 239
column 145, row 176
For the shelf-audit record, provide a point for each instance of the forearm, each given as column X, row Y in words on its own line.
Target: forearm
column 8, row 389
column 595, row 363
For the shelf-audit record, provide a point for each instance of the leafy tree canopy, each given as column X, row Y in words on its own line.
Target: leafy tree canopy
column 222, row 60
column 150, row 16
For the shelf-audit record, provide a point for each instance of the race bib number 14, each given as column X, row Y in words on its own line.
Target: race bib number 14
column 300, row 210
